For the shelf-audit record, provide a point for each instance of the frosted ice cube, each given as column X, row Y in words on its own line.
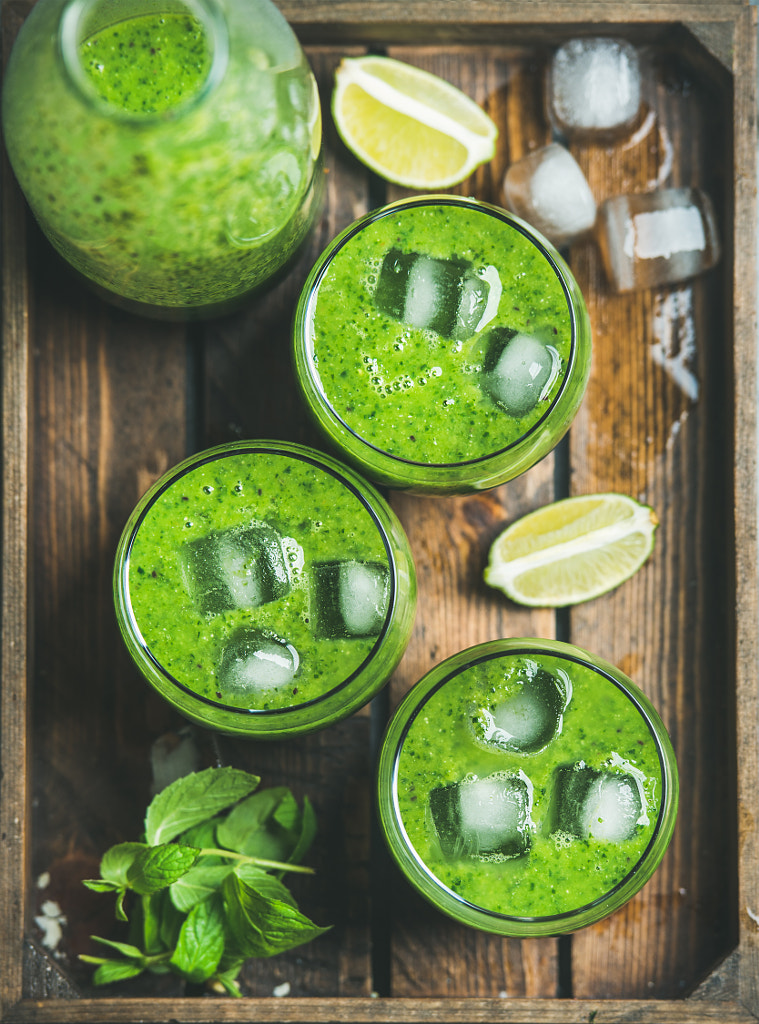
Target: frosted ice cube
column 594, row 86
column 255, row 661
column 446, row 296
column 351, row 598
column 529, row 718
column 238, row 568
column 548, row 189
column 486, row 818
column 590, row 803
column 657, row 238
column 519, row 370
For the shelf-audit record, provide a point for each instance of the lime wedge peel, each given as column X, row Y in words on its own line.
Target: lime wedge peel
column 572, row 551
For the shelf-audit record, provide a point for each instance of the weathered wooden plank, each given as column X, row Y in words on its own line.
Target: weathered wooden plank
column 659, row 434
column 380, row 1011
column 744, row 255
column 14, row 747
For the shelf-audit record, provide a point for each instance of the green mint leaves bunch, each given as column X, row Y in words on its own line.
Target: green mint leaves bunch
column 206, row 883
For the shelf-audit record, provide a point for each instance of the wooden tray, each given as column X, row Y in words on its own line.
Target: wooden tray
column 96, row 404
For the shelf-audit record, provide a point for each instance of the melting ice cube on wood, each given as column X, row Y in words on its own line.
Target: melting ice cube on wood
column 518, row 370
column 548, row 189
column 351, row 598
column 488, row 818
column 594, row 86
column 254, row 661
column 237, row 568
column 657, row 238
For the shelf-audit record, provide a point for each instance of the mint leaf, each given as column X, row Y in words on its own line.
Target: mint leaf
column 158, row 866
column 152, row 907
column 307, row 832
column 121, row 947
column 260, row 926
column 100, row 885
column 203, row 836
column 171, row 923
column 117, row 861
column 200, row 882
column 194, row 798
column 201, row 941
column 252, row 827
column 228, row 979
column 264, row 883
column 116, row 970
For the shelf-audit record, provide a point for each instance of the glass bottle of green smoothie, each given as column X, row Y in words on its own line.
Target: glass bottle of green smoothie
column 168, row 148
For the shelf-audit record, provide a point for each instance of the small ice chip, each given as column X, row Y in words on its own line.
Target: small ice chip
column 529, row 718
column 237, row 568
column 448, row 296
column 254, row 661
column 351, row 598
column 597, row 804
column 595, row 85
column 281, row 990
column 488, row 818
column 519, row 370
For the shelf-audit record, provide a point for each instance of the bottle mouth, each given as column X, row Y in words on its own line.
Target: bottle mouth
column 81, row 19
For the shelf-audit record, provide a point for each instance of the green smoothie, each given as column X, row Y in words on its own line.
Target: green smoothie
column 528, row 785
column 442, row 345
column 260, row 582
column 169, row 151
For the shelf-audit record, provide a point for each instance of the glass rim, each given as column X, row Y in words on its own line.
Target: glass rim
column 208, row 12
column 181, row 470
column 414, row 704
column 311, row 289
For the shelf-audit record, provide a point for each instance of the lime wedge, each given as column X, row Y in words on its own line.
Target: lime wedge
column 572, row 551
column 409, row 126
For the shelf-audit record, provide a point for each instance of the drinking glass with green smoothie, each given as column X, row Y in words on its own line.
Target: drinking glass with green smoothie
column 526, row 787
column 264, row 589
column 170, row 149
column 442, row 345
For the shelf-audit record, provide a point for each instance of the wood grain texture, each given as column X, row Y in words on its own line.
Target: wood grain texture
column 14, row 747
column 380, row 1011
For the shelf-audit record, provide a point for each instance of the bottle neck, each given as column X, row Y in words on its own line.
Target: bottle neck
column 82, row 21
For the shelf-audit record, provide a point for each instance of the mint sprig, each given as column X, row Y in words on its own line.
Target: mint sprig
column 205, row 888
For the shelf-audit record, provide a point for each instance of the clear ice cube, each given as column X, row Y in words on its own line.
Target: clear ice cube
column 657, row 238
column 254, row 661
column 486, row 818
column 237, row 568
column 598, row 804
column 548, row 189
column 529, row 718
column 446, row 296
column 351, row 598
column 519, row 370
column 594, row 86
